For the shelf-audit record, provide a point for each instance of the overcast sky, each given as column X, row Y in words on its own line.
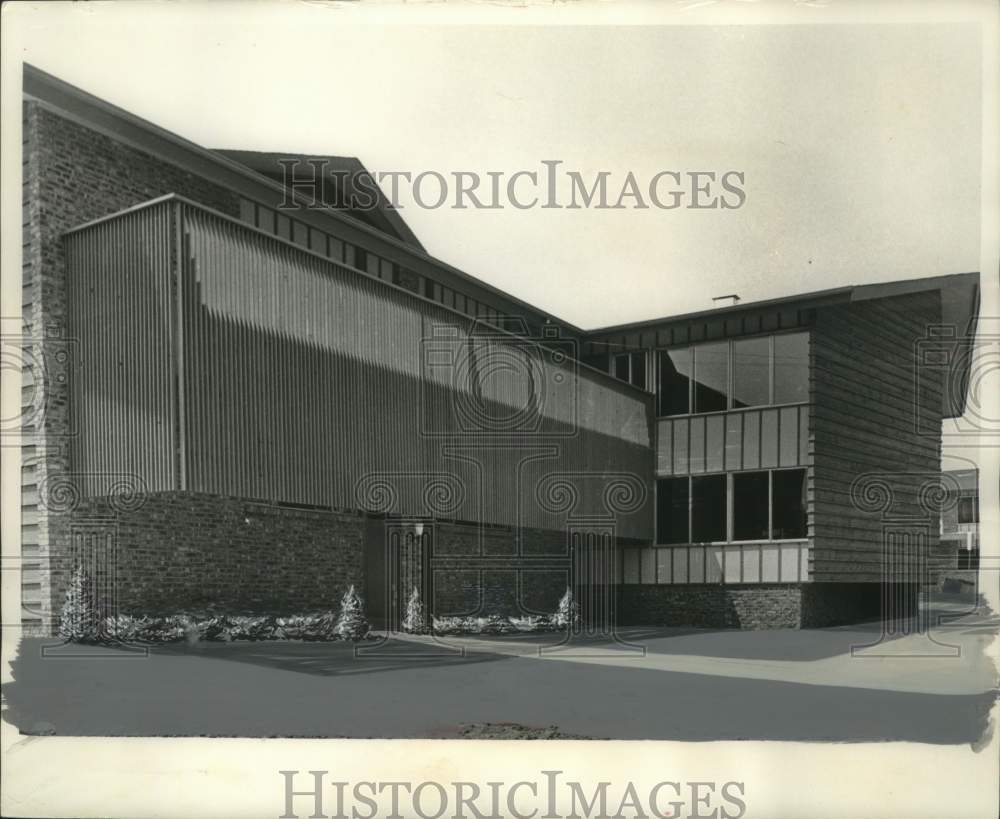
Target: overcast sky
column 860, row 145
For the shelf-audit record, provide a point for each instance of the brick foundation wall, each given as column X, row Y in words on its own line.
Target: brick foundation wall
column 479, row 571
column 805, row 605
column 186, row 551
column 710, row 606
column 72, row 174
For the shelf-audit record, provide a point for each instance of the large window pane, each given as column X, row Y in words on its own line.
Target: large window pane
column 675, row 380
column 968, row 510
column 788, row 514
column 751, row 372
column 750, row 506
column 621, row 367
column 631, row 367
column 638, row 375
column 672, row 510
column 711, row 376
column 708, row 508
column 791, row 368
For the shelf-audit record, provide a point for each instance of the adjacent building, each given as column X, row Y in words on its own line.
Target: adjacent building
column 235, row 400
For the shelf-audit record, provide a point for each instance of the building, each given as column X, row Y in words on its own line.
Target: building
column 960, row 530
column 238, row 402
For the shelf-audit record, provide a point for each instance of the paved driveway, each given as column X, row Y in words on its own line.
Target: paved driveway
column 671, row 684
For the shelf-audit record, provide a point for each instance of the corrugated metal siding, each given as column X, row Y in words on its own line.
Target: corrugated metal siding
column 303, row 381
column 120, row 309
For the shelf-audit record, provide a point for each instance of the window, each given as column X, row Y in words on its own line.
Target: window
column 672, row 510
column 751, row 372
column 248, row 211
column 359, row 260
column 791, row 368
column 751, row 502
column 283, row 226
column 711, row 377
column 788, row 504
column 674, row 393
column 722, row 375
column 708, row 509
column 968, row 509
column 631, row 367
column 766, row 505
column 265, row 219
column 968, row 559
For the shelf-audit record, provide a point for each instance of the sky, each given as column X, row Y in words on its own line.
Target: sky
column 859, row 145
column 859, row 142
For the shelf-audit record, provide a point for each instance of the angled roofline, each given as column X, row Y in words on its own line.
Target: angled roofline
column 391, row 218
column 104, row 117
column 959, row 315
column 817, row 298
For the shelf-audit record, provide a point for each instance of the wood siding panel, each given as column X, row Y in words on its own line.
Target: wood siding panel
column 864, row 422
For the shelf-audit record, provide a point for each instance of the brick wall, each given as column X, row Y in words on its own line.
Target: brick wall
column 491, row 570
column 71, row 175
column 180, row 551
column 711, row 606
column 806, row 605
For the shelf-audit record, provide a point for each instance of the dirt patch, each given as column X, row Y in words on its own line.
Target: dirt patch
column 512, row 730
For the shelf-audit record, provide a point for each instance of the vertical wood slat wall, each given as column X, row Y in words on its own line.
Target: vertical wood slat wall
column 865, row 422
column 120, row 315
column 297, row 377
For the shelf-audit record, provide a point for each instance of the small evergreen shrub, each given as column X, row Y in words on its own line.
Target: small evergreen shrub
column 414, row 621
column 78, row 618
column 352, row 623
column 567, row 616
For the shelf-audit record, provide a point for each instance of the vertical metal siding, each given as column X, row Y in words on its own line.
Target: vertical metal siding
column 119, row 318
column 298, row 377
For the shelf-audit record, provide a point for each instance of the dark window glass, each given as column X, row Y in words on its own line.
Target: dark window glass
column 968, row 510
column 968, row 559
column 265, row 219
column 360, row 258
column 751, row 372
column 248, row 211
column 788, row 511
column 621, row 367
column 708, row 508
column 791, row 368
column 673, row 397
column 639, row 370
column 300, row 233
column 750, row 506
column 711, row 376
column 672, row 510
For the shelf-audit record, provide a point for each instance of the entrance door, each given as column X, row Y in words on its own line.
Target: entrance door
column 397, row 560
column 593, row 577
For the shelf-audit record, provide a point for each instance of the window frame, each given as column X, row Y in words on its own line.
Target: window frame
column 730, row 381
column 630, row 357
column 729, row 541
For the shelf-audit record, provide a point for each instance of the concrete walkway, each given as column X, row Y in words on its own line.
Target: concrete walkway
column 952, row 658
column 685, row 685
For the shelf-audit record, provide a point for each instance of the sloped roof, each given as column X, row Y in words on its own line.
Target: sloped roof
column 383, row 217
